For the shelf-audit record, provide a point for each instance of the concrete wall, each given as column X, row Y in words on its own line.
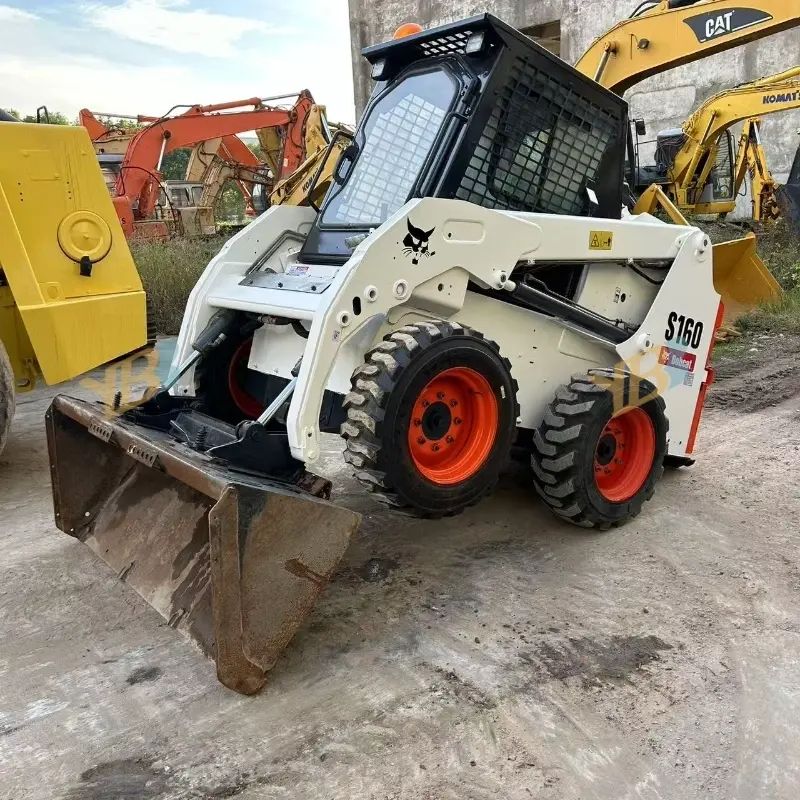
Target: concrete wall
column 664, row 100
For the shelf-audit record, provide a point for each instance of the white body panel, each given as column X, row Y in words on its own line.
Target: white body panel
column 469, row 243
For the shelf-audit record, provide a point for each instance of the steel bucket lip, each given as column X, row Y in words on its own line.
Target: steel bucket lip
column 197, row 470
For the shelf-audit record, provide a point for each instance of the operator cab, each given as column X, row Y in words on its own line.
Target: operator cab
column 473, row 110
column 668, row 143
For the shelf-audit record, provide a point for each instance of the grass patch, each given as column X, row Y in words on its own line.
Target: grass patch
column 780, row 251
column 777, row 316
column 169, row 272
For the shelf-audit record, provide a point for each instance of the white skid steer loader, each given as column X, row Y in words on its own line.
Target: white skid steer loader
column 470, row 282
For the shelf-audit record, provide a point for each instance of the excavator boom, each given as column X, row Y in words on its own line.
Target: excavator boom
column 677, row 32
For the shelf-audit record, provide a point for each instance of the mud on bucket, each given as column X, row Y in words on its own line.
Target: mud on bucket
column 235, row 562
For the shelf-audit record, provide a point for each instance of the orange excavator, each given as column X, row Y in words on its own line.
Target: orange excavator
column 139, row 181
column 218, row 159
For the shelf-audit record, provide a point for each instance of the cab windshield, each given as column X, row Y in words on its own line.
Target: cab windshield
column 398, row 136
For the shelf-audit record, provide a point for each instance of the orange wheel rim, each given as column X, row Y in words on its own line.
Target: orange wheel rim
column 453, row 426
column 248, row 405
column 624, row 454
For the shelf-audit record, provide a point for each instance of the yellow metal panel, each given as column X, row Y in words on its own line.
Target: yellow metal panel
column 75, row 336
column 55, row 208
column 16, row 341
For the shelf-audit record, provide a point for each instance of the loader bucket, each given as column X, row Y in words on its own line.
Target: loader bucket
column 741, row 277
column 235, row 562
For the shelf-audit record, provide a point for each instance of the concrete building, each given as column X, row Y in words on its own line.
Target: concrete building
column 567, row 27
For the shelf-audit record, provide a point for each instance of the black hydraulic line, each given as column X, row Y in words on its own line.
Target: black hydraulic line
column 646, row 277
column 549, row 303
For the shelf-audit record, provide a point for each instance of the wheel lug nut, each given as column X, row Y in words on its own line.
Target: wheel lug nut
column 425, row 403
column 617, row 460
column 440, row 395
column 449, row 440
column 436, row 448
column 421, row 440
column 453, row 403
column 457, row 420
column 418, row 422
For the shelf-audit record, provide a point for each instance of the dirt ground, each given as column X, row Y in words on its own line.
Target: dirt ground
column 499, row 654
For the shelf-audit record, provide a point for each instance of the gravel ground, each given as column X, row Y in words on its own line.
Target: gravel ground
column 497, row 654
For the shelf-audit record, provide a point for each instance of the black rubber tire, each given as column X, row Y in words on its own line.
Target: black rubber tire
column 379, row 408
column 564, row 447
column 7, row 396
column 211, row 381
column 152, row 329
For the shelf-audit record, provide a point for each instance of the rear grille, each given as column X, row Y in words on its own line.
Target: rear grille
column 542, row 145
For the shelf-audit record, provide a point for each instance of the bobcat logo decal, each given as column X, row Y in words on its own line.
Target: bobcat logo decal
column 416, row 243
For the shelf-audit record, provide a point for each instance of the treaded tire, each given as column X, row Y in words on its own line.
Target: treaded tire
column 152, row 328
column 563, row 455
column 379, row 411
column 7, row 396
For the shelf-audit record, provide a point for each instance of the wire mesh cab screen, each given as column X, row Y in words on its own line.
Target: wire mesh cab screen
column 399, row 136
column 543, row 144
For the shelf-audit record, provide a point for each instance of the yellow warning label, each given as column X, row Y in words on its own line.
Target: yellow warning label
column 600, row 240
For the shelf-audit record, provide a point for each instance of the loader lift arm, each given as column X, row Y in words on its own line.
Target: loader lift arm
column 677, row 32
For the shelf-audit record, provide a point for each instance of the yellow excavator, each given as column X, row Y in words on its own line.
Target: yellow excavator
column 70, row 295
column 660, row 36
column 696, row 166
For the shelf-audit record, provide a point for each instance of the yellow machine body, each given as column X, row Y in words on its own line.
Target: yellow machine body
column 70, row 295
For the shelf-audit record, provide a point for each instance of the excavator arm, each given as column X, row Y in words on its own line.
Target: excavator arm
column 676, row 32
column 137, row 188
column 762, row 185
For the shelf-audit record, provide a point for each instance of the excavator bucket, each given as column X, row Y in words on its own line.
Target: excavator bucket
column 234, row 561
column 788, row 199
column 741, row 277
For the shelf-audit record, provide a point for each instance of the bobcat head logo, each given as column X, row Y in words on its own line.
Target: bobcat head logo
column 416, row 243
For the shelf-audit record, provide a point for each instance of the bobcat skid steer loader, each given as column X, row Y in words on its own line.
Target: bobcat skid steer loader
column 469, row 282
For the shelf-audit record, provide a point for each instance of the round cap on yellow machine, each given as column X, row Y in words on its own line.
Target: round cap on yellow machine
column 84, row 233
